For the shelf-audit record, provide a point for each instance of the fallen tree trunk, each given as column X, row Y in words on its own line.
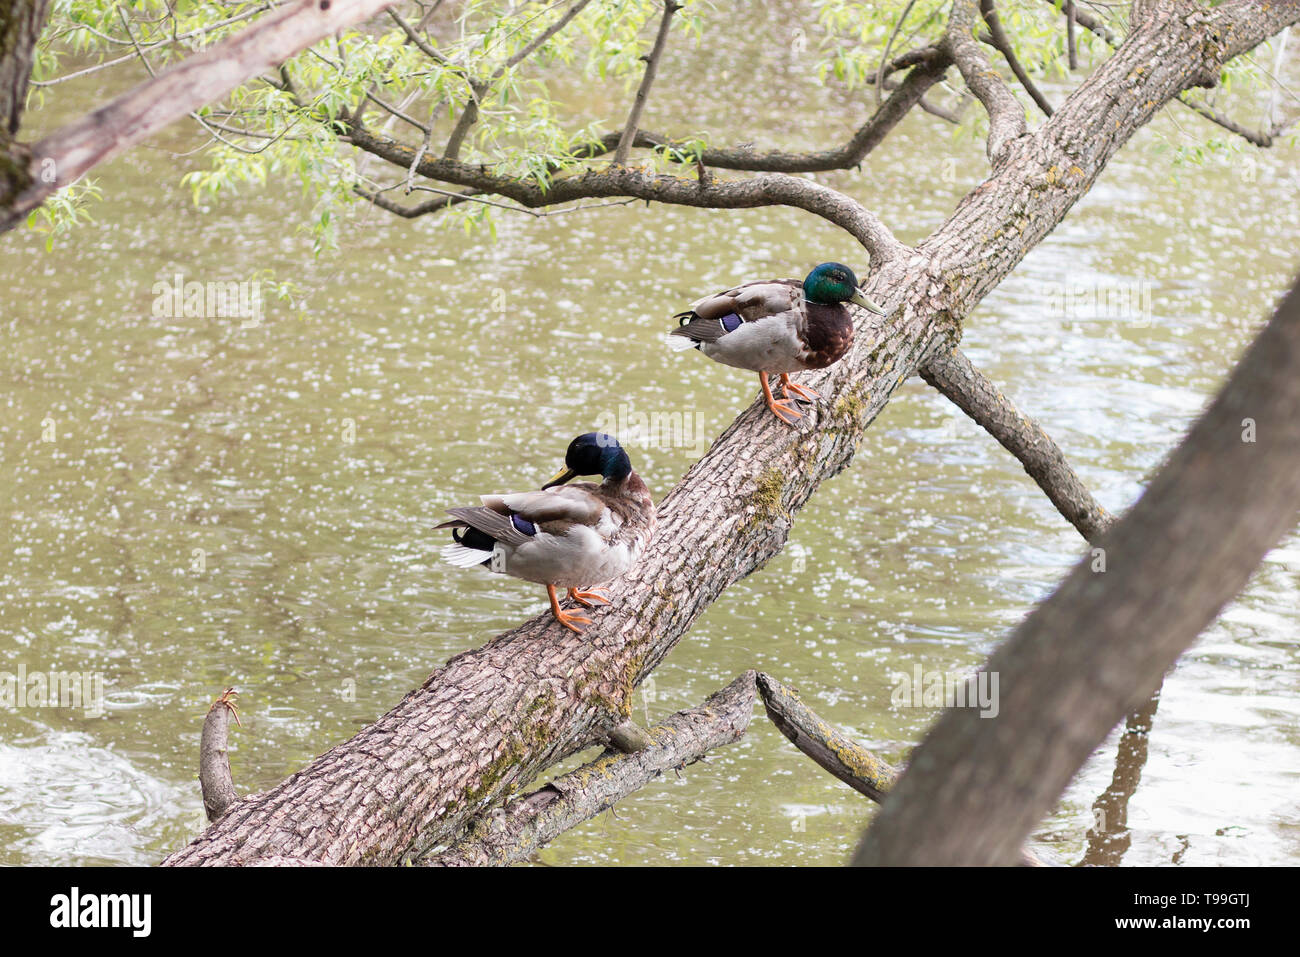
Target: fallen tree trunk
column 493, row 718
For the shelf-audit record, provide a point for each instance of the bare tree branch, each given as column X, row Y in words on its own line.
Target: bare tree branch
column 647, row 80
column 215, row 780
column 767, row 189
column 521, row 826
column 954, row 376
column 826, row 744
column 1262, row 137
column 1003, row 43
column 839, row 754
column 1006, row 115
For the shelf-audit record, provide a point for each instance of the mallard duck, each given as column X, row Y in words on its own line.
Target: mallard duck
column 565, row 536
column 777, row 326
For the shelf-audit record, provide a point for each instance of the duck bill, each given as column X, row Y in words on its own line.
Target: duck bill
column 860, row 298
column 562, row 476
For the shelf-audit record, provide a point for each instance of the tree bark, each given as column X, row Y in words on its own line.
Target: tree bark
column 1099, row 647
column 21, row 22
column 67, row 154
column 514, row 831
column 493, row 718
column 831, row 748
column 215, row 780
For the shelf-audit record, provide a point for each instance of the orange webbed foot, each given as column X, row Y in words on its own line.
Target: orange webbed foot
column 585, row 597
column 802, row 391
column 781, row 408
column 570, row 620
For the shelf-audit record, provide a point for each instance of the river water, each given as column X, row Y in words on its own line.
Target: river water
column 190, row 503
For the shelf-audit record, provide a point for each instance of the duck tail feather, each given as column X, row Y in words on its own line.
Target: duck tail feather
column 463, row 557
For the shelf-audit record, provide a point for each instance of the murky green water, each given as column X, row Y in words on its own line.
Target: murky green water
column 188, row 504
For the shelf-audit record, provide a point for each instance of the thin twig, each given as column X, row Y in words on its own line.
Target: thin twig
column 1071, row 44
column 1003, row 43
column 479, row 88
column 884, row 57
column 647, row 80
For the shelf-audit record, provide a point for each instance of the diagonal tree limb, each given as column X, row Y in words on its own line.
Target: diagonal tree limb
column 1098, row 647
column 524, row 824
column 968, row 388
column 1006, row 115
column 66, row 155
column 493, row 718
column 989, row 10
column 647, row 81
column 838, row 753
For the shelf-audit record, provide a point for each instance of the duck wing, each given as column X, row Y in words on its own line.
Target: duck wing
column 712, row 317
column 496, row 525
column 516, row 518
column 563, row 503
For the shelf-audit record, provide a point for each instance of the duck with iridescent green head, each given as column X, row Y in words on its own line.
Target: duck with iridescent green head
column 565, row 536
column 776, row 327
